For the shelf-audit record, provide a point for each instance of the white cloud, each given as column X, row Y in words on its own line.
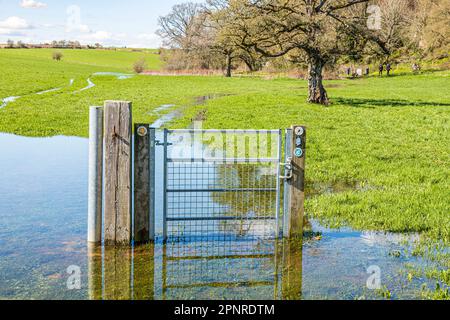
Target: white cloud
column 83, row 28
column 15, row 23
column 31, row 4
column 10, row 32
column 98, row 36
column 148, row 36
column 148, row 40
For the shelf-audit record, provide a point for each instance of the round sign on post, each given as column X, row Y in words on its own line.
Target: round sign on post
column 142, row 131
column 299, row 131
column 299, row 152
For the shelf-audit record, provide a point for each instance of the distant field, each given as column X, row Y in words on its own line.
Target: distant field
column 25, row 71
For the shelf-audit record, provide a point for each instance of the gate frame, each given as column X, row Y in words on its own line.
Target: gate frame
column 277, row 161
column 118, row 196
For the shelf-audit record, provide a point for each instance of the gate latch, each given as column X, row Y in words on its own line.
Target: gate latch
column 159, row 143
column 288, row 167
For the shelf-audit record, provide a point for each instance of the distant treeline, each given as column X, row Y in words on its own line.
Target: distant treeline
column 62, row 44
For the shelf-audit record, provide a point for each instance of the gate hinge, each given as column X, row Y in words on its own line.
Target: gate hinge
column 288, row 168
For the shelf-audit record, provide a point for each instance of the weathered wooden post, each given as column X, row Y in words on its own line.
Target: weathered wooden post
column 296, row 210
column 144, row 216
column 95, row 175
column 118, row 148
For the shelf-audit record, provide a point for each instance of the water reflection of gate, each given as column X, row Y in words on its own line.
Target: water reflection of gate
column 221, row 185
column 244, row 269
column 239, row 269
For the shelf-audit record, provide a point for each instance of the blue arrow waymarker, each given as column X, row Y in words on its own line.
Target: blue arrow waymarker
column 298, row 152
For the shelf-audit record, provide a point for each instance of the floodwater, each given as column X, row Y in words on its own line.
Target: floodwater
column 177, row 113
column 6, row 101
column 43, row 214
column 118, row 75
column 89, row 86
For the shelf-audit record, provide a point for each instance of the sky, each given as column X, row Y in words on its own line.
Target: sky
column 130, row 23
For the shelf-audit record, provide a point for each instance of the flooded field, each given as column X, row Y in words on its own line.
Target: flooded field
column 43, row 210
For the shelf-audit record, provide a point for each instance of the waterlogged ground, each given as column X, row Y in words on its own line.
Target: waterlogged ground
column 43, row 208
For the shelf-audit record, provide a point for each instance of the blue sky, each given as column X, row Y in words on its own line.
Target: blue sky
column 129, row 23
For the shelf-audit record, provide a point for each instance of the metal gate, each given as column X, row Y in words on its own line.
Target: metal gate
column 221, row 185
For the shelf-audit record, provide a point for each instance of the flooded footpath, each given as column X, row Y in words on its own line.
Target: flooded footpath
column 43, row 210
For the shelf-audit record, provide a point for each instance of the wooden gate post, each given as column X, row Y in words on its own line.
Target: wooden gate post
column 144, row 215
column 297, row 183
column 118, row 146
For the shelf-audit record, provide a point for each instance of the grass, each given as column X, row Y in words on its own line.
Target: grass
column 386, row 138
column 390, row 135
column 25, row 71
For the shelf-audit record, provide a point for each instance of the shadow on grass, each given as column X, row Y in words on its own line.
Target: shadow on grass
column 372, row 103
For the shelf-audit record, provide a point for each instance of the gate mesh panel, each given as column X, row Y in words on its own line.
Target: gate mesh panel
column 219, row 199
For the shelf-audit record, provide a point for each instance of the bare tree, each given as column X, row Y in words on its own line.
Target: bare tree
column 21, row 44
column 432, row 26
column 395, row 32
column 180, row 26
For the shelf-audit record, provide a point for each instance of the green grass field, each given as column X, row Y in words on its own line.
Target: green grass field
column 383, row 144
column 26, row 71
column 378, row 157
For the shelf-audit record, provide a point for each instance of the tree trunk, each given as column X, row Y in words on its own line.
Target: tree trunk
column 316, row 90
column 229, row 60
column 249, row 65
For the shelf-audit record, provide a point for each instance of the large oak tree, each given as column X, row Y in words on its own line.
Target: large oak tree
column 314, row 32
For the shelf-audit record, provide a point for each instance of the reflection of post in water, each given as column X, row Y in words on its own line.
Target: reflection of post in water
column 95, row 271
column 144, row 272
column 117, row 268
column 292, row 270
column 111, row 280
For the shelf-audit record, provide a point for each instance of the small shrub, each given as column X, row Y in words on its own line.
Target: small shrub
column 57, row 56
column 140, row 66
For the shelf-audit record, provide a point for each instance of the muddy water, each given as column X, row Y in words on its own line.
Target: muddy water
column 43, row 184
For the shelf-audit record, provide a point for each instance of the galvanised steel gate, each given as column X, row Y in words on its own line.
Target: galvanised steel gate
column 215, row 184
column 221, row 185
